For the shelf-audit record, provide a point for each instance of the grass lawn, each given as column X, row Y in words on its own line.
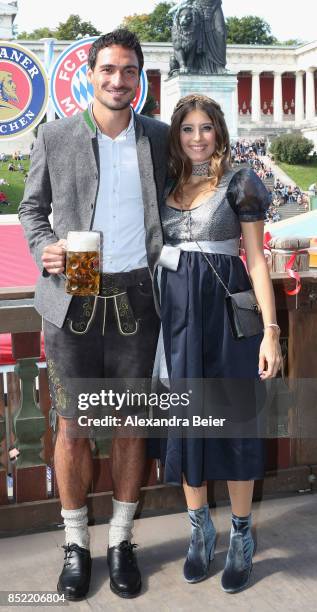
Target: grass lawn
column 303, row 175
column 14, row 191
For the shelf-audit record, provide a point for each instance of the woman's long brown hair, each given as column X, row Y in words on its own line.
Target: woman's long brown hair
column 180, row 166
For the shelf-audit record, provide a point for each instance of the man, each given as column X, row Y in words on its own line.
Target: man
column 102, row 170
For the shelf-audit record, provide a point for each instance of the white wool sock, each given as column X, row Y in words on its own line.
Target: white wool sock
column 121, row 524
column 76, row 526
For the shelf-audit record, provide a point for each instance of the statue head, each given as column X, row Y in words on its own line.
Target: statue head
column 185, row 17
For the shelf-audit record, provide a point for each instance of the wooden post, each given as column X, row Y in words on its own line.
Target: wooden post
column 303, row 372
column 3, row 475
column 2, row 422
column 29, row 422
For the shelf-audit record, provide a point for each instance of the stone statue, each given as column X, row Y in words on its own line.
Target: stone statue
column 199, row 37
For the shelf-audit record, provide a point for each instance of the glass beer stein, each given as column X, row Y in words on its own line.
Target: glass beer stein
column 82, row 263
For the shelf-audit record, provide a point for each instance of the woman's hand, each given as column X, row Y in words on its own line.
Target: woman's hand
column 270, row 356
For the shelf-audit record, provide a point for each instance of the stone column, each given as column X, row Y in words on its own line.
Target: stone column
column 48, row 63
column 299, row 98
column 165, row 110
column 278, row 99
column 310, row 94
column 236, row 104
column 256, row 97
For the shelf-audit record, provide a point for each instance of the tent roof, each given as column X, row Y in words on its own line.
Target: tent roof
column 300, row 226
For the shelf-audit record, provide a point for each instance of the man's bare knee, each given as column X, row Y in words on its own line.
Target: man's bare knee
column 66, row 436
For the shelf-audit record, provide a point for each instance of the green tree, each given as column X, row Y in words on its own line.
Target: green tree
column 75, row 27
column 150, row 104
column 152, row 27
column 249, row 30
column 291, row 148
column 37, row 34
column 161, row 22
column 292, row 42
column 139, row 24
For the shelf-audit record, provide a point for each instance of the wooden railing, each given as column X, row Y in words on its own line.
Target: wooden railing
column 23, row 422
column 28, row 488
column 24, row 415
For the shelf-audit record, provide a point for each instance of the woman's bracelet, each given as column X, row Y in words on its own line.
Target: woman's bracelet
column 274, row 326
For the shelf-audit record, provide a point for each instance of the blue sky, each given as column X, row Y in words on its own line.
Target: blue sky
column 287, row 20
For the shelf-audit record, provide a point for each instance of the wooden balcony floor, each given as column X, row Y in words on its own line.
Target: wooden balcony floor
column 284, row 574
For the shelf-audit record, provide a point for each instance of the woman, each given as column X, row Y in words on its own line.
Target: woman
column 207, row 207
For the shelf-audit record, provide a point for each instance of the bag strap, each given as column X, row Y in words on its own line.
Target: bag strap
column 228, row 294
column 213, row 269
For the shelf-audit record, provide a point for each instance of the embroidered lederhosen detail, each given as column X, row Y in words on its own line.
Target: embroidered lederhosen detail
column 110, row 285
column 81, row 315
column 114, row 287
column 127, row 325
column 57, row 393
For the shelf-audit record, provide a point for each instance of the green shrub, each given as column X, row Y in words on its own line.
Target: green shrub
column 291, row 148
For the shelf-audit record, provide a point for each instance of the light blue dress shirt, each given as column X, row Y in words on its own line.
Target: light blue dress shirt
column 119, row 214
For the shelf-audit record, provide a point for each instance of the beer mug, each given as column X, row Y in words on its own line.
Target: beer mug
column 82, row 263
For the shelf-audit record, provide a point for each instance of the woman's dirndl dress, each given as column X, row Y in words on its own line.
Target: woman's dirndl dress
column 198, row 342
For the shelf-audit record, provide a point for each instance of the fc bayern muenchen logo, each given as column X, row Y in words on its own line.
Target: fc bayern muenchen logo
column 23, row 90
column 69, row 87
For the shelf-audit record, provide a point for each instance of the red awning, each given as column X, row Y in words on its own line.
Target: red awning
column 17, row 267
column 6, row 357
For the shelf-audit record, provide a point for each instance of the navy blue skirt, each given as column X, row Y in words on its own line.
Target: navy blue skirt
column 199, row 344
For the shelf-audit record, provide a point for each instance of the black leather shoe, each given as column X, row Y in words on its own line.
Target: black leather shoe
column 74, row 580
column 125, row 577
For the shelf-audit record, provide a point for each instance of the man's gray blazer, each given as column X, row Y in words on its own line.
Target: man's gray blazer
column 64, row 175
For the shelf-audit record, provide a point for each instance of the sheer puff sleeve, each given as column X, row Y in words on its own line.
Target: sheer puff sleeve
column 248, row 196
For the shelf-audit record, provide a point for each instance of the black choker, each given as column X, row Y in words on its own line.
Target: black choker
column 202, row 169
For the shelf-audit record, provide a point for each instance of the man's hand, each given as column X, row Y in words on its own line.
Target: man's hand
column 54, row 257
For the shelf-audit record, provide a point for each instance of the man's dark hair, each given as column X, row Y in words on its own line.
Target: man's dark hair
column 122, row 37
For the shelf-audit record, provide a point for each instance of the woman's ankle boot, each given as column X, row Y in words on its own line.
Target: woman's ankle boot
column 239, row 558
column 202, row 545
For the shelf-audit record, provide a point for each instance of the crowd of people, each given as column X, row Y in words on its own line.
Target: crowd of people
column 15, row 164
column 16, row 156
column 252, row 153
column 286, row 194
column 242, row 148
column 15, row 168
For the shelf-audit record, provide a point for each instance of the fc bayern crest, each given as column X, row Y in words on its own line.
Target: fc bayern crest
column 69, row 88
column 23, row 90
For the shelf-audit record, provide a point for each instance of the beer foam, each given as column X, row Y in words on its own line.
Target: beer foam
column 83, row 241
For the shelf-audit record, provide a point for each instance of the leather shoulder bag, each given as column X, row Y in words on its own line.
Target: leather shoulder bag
column 243, row 309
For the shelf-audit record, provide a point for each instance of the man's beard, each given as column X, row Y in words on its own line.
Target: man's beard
column 120, row 107
column 113, row 105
